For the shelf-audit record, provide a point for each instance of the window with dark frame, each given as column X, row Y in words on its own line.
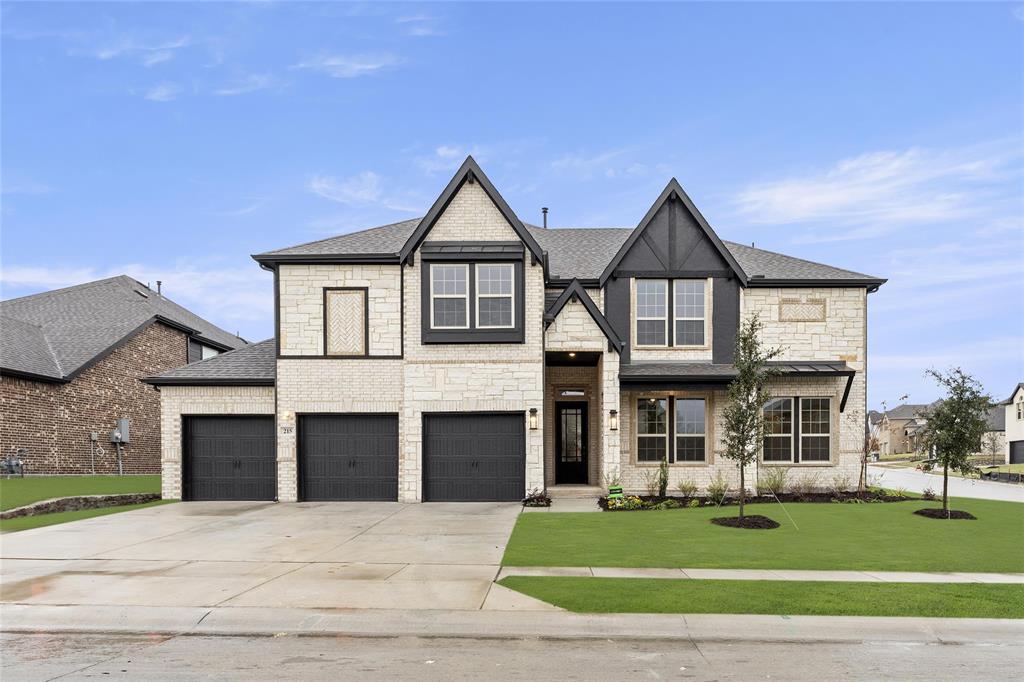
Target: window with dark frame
column 449, row 296
column 690, row 430
column 684, row 312
column 651, row 429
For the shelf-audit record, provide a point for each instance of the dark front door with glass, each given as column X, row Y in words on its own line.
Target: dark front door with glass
column 571, row 442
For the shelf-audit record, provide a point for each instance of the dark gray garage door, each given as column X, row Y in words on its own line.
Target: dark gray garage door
column 229, row 458
column 1017, row 452
column 348, row 457
column 474, row 457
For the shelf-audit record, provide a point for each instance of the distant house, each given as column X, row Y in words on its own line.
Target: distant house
column 898, row 429
column 1013, row 416
column 70, row 364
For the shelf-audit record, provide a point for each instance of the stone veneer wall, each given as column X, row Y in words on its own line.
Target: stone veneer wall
column 176, row 401
column 301, row 300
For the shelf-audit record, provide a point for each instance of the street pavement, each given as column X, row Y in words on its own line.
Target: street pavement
column 74, row 657
column 917, row 481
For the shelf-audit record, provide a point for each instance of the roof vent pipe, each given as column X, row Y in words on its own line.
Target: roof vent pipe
column 544, row 211
column 159, row 285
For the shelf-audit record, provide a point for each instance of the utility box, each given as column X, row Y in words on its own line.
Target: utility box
column 122, row 432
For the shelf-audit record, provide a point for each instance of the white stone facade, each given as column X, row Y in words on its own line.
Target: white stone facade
column 179, row 401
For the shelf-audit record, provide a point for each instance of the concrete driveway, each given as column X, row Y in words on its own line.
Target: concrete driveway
column 918, row 481
column 310, row 555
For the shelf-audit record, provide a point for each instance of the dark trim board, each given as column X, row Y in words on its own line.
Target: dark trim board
column 575, row 291
column 339, row 357
column 339, row 259
column 206, row 381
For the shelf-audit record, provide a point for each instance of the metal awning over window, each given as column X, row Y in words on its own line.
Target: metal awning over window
column 705, row 375
column 473, row 251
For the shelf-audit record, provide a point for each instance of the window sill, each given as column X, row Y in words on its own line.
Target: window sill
column 809, row 465
column 672, row 465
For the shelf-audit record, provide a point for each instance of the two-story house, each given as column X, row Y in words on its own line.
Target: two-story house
column 467, row 355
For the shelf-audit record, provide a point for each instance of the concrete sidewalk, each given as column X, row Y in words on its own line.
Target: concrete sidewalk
column 760, row 574
column 245, row 621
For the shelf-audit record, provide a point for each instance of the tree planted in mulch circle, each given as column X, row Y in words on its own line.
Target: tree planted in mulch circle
column 743, row 415
column 953, row 430
column 750, row 521
column 933, row 513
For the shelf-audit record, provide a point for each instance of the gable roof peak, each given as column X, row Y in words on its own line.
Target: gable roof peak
column 674, row 188
column 469, row 171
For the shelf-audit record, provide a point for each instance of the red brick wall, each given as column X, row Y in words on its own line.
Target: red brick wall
column 53, row 421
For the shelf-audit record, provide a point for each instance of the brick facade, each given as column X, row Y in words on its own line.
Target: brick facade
column 54, row 421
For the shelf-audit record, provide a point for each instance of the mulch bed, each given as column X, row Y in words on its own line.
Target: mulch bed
column 821, row 498
column 79, row 502
column 755, row 521
column 933, row 513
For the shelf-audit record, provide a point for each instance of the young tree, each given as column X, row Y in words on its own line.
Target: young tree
column 955, row 425
column 743, row 414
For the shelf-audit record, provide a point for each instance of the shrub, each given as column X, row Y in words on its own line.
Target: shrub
column 693, row 504
column 805, row 484
column 662, row 478
column 667, row 504
column 537, row 498
column 718, row 489
column 772, row 481
column 687, row 488
column 651, row 481
column 840, row 484
column 612, row 479
column 626, row 502
column 928, row 494
column 900, row 492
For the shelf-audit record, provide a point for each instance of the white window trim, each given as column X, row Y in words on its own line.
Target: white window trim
column 639, row 435
column 675, row 298
column 433, row 296
column 511, row 296
column 816, row 435
column 636, row 309
column 703, row 434
column 792, row 423
column 1020, row 410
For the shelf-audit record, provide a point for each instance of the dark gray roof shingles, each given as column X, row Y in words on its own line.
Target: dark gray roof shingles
column 55, row 333
column 252, row 364
column 573, row 252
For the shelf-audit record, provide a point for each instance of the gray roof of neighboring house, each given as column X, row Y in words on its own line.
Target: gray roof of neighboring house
column 906, row 411
column 254, row 365
column 996, row 418
column 874, row 416
column 1013, row 393
column 573, row 252
column 55, row 334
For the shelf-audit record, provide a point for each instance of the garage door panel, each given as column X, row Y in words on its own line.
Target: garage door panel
column 473, row 457
column 348, row 457
column 230, row 458
column 1017, row 452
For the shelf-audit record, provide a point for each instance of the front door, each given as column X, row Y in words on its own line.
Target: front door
column 571, row 442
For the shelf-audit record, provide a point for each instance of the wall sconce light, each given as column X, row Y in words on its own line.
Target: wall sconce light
column 613, row 420
column 533, row 418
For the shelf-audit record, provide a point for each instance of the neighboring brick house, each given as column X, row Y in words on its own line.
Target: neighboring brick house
column 469, row 356
column 71, row 361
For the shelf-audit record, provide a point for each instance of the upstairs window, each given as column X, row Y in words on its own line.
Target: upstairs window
column 1020, row 409
column 689, row 312
column 651, row 312
column 651, row 429
column 449, row 296
column 494, row 299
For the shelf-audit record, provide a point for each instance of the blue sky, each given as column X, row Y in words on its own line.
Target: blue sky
column 170, row 141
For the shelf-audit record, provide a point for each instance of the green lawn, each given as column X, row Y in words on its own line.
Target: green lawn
column 881, row 537
column 628, row 595
column 15, row 492
column 27, row 522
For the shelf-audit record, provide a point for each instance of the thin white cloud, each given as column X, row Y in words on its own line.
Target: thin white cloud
column 224, row 295
column 154, row 58
column 246, row 209
column 610, row 164
column 872, row 194
column 149, row 53
column 446, row 158
column 350, row 66
column 363, row 188
column 23, row 186
column 163, row 92
column 251, row 83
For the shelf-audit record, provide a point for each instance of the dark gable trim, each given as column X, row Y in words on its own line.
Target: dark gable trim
column 673, row 189
column 469, row 172
column 366, row 322
column 30, row 376
column 576, row 291
column 472, row 334
column 270, row 260
column 872, row 285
